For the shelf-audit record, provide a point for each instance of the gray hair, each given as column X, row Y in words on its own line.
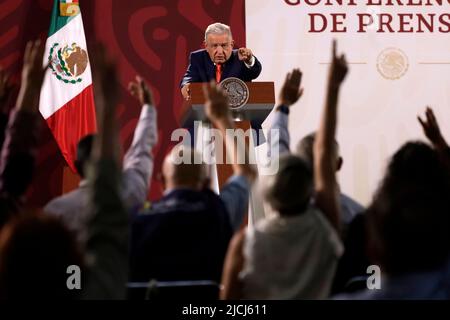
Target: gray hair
column 290, row 190
column 218, row 28
column 305, row 148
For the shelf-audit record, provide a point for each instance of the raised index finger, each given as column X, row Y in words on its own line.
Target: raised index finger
column 334, row 48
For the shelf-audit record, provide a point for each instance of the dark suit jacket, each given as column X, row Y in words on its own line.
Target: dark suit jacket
column 202, row 69
column 184, row 236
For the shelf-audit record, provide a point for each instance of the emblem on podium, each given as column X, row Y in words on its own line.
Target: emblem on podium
column 237, row 91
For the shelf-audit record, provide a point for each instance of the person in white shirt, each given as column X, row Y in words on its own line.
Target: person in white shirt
column 294, row 254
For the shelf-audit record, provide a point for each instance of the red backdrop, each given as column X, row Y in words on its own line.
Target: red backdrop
column 152, row 38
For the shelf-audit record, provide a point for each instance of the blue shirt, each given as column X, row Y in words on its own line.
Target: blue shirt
column 185, row 235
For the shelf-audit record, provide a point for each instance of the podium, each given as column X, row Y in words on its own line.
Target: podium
column 260, row 103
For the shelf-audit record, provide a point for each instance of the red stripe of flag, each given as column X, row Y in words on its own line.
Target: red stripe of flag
column 72, row 122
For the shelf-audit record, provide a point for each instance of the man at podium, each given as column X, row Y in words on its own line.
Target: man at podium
column 219, row 61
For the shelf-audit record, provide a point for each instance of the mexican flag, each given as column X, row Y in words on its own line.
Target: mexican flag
column 67, row 99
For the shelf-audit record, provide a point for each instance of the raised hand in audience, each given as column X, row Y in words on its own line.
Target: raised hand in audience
column 327, row 191
column 278, row 139
column 338, row 69
column 32, row 77
column 291, row 91
column 106, row 89
column 218, row 112
column 5, row 92
column 140, row 90
column 217, row 106
column 5, row 89
column 138, row 162
column 432, row 131
column 21, row 137
column 107, row 239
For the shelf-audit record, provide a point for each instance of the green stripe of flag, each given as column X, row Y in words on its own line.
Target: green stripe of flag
column 57, row 21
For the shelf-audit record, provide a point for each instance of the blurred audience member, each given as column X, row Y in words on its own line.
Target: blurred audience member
column 351, row 272
column 36, row 250
column 409, row 219
column 18, row 153
column 107, row 244
column 5, row 93
column 294, row 254
column 349, row 207
column 137, row 166
column 185, row 235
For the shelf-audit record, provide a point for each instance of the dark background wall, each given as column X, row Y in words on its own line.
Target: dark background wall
column 151, row 38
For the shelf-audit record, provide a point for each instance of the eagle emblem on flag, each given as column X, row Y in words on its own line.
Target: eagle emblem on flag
column 68, row 62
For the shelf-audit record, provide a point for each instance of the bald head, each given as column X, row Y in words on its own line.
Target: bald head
column 183, row 168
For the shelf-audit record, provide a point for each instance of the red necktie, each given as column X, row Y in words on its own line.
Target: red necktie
column 218, row 72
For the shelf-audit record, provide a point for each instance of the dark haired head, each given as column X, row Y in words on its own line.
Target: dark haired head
column 35, row 252
column 305, row 147
column 408, row 220
column 84, row 150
